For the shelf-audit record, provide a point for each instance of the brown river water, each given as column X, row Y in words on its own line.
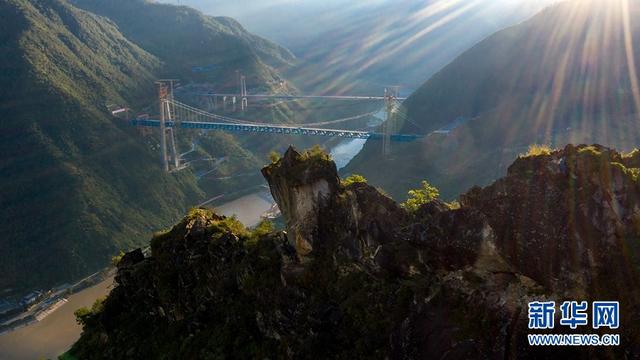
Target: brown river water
column 54, row 334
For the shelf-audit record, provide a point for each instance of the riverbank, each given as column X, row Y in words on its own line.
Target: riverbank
column 55, row 333
column 249, row 209
column 52, row 334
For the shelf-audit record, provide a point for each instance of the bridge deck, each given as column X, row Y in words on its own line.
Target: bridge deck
column 276, row 129
column 292, row 97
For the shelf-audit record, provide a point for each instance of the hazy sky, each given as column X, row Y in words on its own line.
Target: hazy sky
column 377, row 41
column 290, row 21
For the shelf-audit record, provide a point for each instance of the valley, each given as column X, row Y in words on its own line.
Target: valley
column 448, row 178
column 89, row 57
column 533, row 83
column 55, row 333
column 60, row 137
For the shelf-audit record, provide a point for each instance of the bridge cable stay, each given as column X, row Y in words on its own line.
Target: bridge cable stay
column 188, row 111
column 400, row 115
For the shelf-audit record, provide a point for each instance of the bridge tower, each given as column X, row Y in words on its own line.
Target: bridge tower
column 243, row 92
column 167, row 136
column 388, row 127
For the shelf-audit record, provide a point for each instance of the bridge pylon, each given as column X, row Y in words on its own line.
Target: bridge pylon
column 167, row 136
column 388, row 127
column 243, row 93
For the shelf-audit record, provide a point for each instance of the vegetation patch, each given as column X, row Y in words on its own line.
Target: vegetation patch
column 352, row 179
column 419, row 197
column 538, row 150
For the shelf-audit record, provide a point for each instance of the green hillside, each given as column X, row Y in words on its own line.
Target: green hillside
column 185, row 38
column 67, row 165
column 562, row 77
column 77, row 184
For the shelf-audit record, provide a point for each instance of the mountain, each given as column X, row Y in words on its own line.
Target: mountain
column 66, row 164
column 346, row 46
column 70, row 171
column 357, row 276
column 185, row 38
column 568, row 75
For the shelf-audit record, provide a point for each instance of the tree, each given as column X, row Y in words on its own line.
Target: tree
column 352, row 179
column 116, row 259
column 264, row 227
column 316, row 153
column 84, row 314
column 538, row 150
column 419, row 197
column 274, row 156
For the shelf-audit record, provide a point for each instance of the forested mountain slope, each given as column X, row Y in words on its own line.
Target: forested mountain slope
column 568, row 75
column 67, row 166
column 78, row 185
column 220, row 50
column 185, row 38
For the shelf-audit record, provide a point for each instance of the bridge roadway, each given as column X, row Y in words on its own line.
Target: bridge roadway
column 275, row 129
column 293, row 97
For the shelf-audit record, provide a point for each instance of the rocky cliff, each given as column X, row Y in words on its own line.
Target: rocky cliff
column 357, row 276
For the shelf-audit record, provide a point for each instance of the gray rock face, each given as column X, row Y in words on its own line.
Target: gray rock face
column 301, row 197
column 567, row 219
column 321, row 215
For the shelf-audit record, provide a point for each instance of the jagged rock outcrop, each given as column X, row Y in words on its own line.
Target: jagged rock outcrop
column 321, row 215
column 569, row 219
column 357, row 276
column 302, row 187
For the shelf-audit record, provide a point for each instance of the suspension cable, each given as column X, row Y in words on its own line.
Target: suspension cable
column 190, row 110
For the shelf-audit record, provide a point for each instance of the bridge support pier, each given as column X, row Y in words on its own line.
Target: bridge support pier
column 174, row 151
column 165, row 97
column 243, row 93
column 389, row 122
column 162, row 94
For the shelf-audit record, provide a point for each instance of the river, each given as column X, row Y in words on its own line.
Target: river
column 345, row 151
column 57, row 332
column 248, row 209
column 54, row 334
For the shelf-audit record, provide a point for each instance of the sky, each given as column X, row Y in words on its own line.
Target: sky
column 289, row 22
column 346, row 43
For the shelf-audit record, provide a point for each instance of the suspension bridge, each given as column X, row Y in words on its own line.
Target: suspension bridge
column 175, row 115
